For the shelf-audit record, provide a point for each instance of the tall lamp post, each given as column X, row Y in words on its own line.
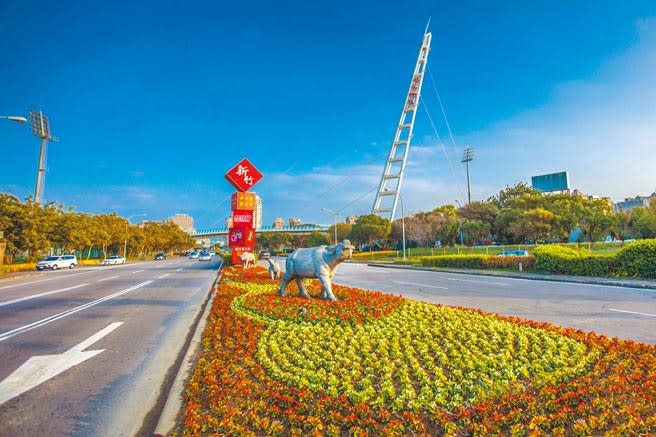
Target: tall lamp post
column 127, row 222
column 41, row 129
column 402, row 224
column 335, row 215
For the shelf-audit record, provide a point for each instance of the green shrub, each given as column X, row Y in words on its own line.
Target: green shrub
column 478, row 261
column 568, row 261
column 638, row 259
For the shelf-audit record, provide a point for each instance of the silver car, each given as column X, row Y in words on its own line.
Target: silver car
column 57, row 262
column 114, row 259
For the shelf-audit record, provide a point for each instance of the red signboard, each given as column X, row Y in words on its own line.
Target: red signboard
column 243, row 175
column 242, row 218
column 241, row 237
column 237, row 251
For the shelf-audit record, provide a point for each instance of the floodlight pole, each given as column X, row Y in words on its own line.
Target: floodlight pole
column 41, row 173
column 467, row 157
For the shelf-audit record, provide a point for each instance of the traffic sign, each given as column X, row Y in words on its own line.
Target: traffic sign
column 243, row 175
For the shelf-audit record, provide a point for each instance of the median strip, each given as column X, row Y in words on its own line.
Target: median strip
column 8, row 334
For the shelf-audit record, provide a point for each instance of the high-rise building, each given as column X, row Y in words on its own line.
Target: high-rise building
column 228, row 222
column 635, row 202
column 294, row 221
column 279, row 222
column 351, row 219
column 184, row 221
column 257, row 213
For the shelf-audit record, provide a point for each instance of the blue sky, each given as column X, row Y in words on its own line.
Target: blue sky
column 153, row 103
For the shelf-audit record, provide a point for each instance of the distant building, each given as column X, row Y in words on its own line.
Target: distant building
column 630, row 203
column 294, row 221
column 351, row 219
column 257, row 213
column 279, row 222
column 228, row 222
column 184, row 221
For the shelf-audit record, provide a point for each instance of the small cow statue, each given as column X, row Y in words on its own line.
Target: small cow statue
column 274, row 269
column 247, row 259
column 315, row 262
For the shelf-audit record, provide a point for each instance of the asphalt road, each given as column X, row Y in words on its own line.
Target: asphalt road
column 111, row 335
column 627, row 313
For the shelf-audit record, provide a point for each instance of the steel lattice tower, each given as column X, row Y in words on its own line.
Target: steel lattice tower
column 390, row 183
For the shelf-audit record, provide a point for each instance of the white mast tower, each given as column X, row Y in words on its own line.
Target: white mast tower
column 390, row 183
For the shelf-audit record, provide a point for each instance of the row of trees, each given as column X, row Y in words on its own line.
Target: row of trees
column 34, row 230
column 517, row 214
column 522, row 214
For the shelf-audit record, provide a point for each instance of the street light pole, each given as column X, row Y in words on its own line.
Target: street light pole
column 402, row 224
column 125, row 245
column 335, row 215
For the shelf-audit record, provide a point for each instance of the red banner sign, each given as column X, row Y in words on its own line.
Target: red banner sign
column 243, row 175
column 237, row 251
column 242, row 218
column 241, row 237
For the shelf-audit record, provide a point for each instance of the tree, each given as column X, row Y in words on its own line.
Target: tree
column 318, row 239
column 484, row 212
column 475, row 231
column 533, row 225
column 370, row 228
column 343, row 230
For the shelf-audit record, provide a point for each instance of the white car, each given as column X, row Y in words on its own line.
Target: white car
column 57, row 262
column 204, row 256
column 114, row 259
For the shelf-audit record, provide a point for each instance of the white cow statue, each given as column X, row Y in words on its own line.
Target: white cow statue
column 274, row 269
column 247, row 259
column 315, row 262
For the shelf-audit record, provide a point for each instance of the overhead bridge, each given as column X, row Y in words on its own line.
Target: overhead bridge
column 296, row 230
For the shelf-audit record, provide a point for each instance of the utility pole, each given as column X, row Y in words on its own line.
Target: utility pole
column 467, row 157
column 40, row 128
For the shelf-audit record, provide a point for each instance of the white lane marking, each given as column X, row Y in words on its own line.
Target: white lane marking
column 479, row 282
column 631, row 312
column 39, row 369
column 42, row 280
column 107, row 279
column 63, row 275
column 164, row 276
column 137, row 271
column 177, row 270
column 421, row 285
column 8, row 334
column 34, row 296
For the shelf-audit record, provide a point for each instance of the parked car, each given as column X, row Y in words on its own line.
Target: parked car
column 193, row 255
column 114, row 259
column 57, row 262
column 204, row 256
column 160, row 256
column 264, row 254
column 513, row 253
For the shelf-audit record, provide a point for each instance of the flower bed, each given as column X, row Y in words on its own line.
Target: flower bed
column 376, row 364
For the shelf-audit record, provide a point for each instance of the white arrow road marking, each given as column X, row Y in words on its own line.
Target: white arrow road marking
column 8, row 334
column 631, row 312
column 38, row 370
column 418, row 285
column 34, row 296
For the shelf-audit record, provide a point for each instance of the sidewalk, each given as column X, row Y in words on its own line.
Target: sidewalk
column 615, row 282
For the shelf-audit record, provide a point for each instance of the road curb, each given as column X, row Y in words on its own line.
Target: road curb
column 570, row 279
column 168, row 419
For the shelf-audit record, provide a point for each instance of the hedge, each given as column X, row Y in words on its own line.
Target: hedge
column 637, row 259
column 478, row 261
